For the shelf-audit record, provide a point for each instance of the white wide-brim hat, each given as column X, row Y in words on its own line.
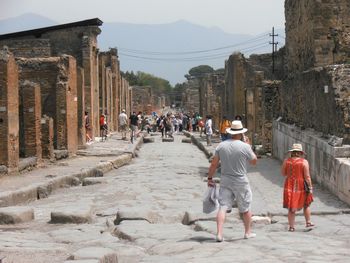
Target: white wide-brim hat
column 296, row 147
column 236, row 128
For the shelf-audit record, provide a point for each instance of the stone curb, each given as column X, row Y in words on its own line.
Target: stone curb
column 198, row 144
column 41, row 190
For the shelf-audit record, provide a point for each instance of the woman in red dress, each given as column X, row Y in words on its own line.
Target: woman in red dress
column 296, row 195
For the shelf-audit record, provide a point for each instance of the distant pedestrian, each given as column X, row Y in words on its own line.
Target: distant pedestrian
column 234, row 154
column 134, row 121
column 208, row 129
column 297, row 193
column 123, row 123
column 87, row 127
column 225, row 124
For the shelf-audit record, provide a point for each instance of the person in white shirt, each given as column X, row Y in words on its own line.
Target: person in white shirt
column 123, row 123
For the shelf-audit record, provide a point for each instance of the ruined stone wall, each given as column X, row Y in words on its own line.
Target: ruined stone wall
column 30, row 120
column 9, row 117
column 235, row 74
column 269, row 111
column 58, row 81
column 28, row 48
column 305, row 102
column 317, row 33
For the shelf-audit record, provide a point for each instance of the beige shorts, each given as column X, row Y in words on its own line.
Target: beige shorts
column 242, row 194
column 123, row 128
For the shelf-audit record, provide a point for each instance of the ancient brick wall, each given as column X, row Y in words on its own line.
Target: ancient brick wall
column 47, row 137
column 317, row 33
column 28, row 48
column 81, row 106
column 9, row 125
column 30, row 120
column 235, row 72
column 269, row 111
column 305, row 102
column 58, row 81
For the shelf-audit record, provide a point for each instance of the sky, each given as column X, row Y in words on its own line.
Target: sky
column 232, row 16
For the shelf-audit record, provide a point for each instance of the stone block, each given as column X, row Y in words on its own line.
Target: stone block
column 83, row 261
column 262, row 220
column 167, row 139
column 72, row 215
column 103, row 255
column 186, row 140
column 148, row 139
column 92, row 181
column 16, row 214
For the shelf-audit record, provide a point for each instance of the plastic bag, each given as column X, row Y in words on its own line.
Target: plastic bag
column 210, row 200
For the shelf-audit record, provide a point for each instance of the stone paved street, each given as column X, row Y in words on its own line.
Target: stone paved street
column 151, row 211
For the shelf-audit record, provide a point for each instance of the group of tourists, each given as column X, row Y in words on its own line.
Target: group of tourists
column 233, row 154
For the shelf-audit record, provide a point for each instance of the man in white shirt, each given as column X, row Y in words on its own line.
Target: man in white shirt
column 123, row 123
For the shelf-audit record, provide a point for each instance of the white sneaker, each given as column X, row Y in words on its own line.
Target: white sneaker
column 250, row 235
column 219, row 239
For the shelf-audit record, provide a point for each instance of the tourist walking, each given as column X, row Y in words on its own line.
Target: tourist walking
column 208, row 129
column 234, row 154
column 87, row 127
column 134, row 121
column 297, row 193
column 225, row 124
column 123, row 123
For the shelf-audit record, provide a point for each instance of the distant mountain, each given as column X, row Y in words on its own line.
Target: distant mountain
column 24, row 22
column 164, row 50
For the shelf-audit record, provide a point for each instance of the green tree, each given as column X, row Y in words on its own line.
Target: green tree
column 200, row 70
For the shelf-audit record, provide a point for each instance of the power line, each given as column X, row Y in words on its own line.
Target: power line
column 137, row 51
column 199, row 58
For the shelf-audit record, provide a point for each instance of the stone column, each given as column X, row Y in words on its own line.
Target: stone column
column 31, row 117
column 9, row 120
column 47, row 134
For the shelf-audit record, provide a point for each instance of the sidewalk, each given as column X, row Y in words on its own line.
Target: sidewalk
column 267, row 185
column 97, row 158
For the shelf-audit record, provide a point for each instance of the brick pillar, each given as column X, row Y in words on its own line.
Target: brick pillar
column 47, row 137
column 9, row 120
column 81, row 106
column 30, row 98
column 66, row 106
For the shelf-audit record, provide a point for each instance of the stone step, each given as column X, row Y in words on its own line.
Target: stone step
column 16, row 214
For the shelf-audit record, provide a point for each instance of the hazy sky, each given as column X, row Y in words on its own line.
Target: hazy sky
column 232, row 16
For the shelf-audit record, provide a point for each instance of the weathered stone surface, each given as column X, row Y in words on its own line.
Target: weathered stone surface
column 61, row 154
column 135, row 214
column 148, row 139
column 167, row 139
column 190, row 218
column 72, row 215
column 103, row 255
column 83, row 261
column 16, row 214
column 264, row 220
column 93, row 180
column 122, row 160
column 186, row 140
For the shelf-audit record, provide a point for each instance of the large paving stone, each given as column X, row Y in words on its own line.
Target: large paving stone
column 93, row 180
column 186, row 140
column 103, row 255
column 83, row 261
column 148, row 139
column 135, row 214
column 190, row 218
column 167, row 139
column 70, row 215
column 16, row 214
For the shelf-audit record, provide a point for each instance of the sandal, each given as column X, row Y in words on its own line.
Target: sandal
column 310, row 224
column 291, row 229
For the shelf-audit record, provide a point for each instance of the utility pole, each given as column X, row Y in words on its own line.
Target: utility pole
column 274, row 48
